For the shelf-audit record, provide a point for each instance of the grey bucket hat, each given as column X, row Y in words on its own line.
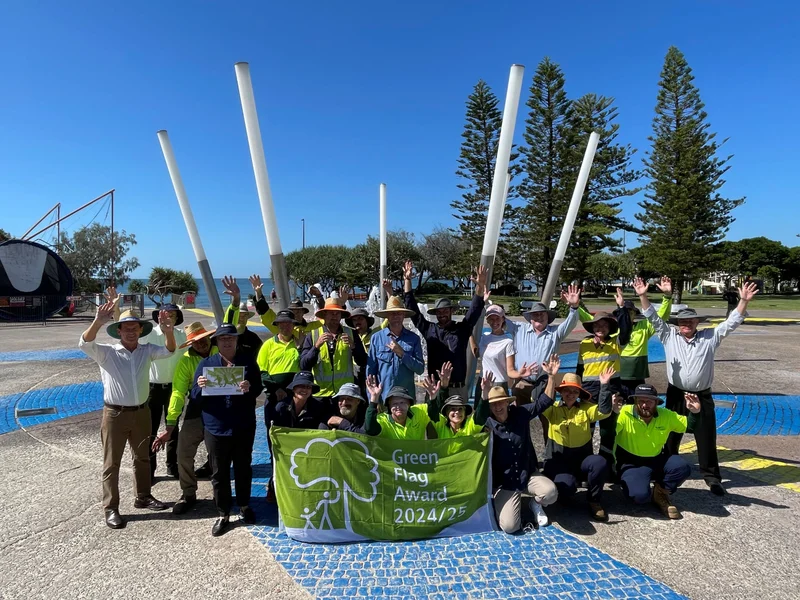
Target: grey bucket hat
column 456, row 401
column 441, row 303
column 539, row 307
column 687, row 313
column 350, row 389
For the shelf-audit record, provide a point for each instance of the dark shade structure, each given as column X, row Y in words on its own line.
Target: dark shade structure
column 34, row 281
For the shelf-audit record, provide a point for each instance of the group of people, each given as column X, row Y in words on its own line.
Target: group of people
column 345, row 370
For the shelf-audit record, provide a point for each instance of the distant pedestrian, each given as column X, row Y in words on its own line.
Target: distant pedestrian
column 124, row 371
column 731, row 296
column 273, row 295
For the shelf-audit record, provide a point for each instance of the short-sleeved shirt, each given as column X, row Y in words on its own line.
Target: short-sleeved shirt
column 415, row 426
column 444, row 431
column 646, row 440
column 494, row 349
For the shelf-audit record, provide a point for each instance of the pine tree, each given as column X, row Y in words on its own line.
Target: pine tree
column 610, row 179
column 476, row 169
column 683, row 214
column 543, row 164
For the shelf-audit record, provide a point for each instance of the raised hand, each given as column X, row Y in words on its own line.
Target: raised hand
column 486, row 296
column 255, row 281
column 431, row 386
column 445, row 372
column 344, row 294
column 640, row 286
column 692, row 403
column 572, row 295
column 552, row 365
column 408, row 270
column 111, row 294
column 619, row 298
column 480, row 280
column 374, row 388
column 527, row 371
column 665, row 285
column 165, row 320
column 231, row 287
column 388, row 288
column 607, row 375
column 105, row 312
column 748, row 291
column 487, row 381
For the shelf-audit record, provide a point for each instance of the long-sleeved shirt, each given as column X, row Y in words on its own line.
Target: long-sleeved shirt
column 513, row 456
column 125, row 374
column 569, row 430
column 633, row 358
column 532, row 347
column 224, row 415
column 181, row 385
column 389, row 368
column 267, row 316
column 162, row 371
column 448, row 343
column 314, row 415
column 690, row 363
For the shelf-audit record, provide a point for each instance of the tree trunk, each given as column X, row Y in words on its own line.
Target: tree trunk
column 677, row 291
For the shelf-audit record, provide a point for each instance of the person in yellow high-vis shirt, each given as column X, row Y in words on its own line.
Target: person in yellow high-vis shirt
column 267, row 315
column 451, row 414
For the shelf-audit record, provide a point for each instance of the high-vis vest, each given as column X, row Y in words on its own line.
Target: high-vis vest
column 596, row 360
column 329, row 374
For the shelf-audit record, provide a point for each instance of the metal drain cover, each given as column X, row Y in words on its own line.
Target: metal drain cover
column 33, row 412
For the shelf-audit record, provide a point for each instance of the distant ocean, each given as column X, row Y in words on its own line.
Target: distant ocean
column 202, row 300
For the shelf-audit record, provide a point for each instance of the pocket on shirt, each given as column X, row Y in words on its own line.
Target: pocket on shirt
column 385, row 356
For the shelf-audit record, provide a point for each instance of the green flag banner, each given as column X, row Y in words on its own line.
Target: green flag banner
column 337, row 486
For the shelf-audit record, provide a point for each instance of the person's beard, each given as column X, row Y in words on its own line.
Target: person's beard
column 349, row 412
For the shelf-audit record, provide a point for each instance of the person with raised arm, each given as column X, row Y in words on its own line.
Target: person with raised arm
column 690, row 368
column 452, row 416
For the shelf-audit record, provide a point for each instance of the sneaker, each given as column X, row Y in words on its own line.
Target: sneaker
column 247, row 515
column 184, row 504
column 661, row 500
column 538, row 511
column 597, row 512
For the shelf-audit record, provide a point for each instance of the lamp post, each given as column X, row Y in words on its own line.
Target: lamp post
column 303, row 222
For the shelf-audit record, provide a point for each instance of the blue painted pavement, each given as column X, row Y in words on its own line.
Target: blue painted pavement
column 68, row 400
column 37, row 355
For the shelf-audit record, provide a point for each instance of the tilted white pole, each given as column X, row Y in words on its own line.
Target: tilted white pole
column 384, row 261
column 497, row 200
column 191, row 226
column 277, row 259
column 569, row 221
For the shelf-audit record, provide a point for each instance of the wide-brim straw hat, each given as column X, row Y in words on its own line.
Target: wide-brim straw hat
column 244, row 310
column 393, row 306
column 331, row 305
column 539, row 307
column 613, row 326
column 573, row 381
column 173, row 307
column 687, row 313
column 498, row 394
column 456, row 401
column 195, row 331
column 360, row 312
column 129, row 316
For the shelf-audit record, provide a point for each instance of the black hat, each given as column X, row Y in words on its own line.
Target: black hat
column 304, row 378
column 441, row 303
column 456, row 401
column 178, row 319
column 637, row 314
column 285, row 316
column 646, row 391
column 398, row 391
column 297, row 303
column 225, row 329
column 360, row 312
column 539, row 307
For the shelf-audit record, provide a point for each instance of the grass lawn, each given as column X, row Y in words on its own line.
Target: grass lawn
column 766, row 302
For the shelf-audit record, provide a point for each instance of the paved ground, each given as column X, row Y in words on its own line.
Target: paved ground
column 54, row 544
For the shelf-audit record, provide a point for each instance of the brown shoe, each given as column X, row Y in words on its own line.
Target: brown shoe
column 149, row 502
column 661, row 499
column 597, row 512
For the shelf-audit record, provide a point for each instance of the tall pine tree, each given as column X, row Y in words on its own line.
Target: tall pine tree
column 610, row 179
column 683, row 214
column 544, row 164
column 476, row 170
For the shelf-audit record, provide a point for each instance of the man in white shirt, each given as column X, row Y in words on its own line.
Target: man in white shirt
column 124, row 371
column 161, row 374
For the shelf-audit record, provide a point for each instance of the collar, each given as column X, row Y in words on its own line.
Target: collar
column 119, row 346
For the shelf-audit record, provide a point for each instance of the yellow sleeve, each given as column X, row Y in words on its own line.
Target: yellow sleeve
column 266, row 320
column 665, row 308
column 181, row 381
column 584, row 315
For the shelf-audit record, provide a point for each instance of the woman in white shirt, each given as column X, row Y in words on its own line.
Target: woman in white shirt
column 496, row 350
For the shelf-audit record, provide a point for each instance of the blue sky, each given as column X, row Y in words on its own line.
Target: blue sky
column 350, row 95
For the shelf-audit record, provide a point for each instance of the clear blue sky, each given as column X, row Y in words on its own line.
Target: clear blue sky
column 350, row 95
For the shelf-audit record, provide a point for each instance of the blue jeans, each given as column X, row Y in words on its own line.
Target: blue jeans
column 670, row 473
column 566, row 473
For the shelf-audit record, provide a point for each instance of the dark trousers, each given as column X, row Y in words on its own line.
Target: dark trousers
column 669, row 473
column 159, row 405
column 704, row 427
column 227, row 450
column 608, row 426
column 567, row 472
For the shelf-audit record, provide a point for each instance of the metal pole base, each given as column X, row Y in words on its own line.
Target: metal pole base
column 280, row 279
column 211, row 290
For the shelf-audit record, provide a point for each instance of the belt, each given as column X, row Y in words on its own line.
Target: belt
column 162, row 386
column 125, row 408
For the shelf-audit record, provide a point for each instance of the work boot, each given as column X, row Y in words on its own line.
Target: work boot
column 597, row 512
column 661, row 499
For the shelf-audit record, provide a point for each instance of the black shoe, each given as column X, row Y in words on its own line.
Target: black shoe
column 184, row 504
column 172, row 471
column 247, row 515
column 149, row 502
column 716, row 488
column 221, row 525
column 113, row 519
column 203, row 472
